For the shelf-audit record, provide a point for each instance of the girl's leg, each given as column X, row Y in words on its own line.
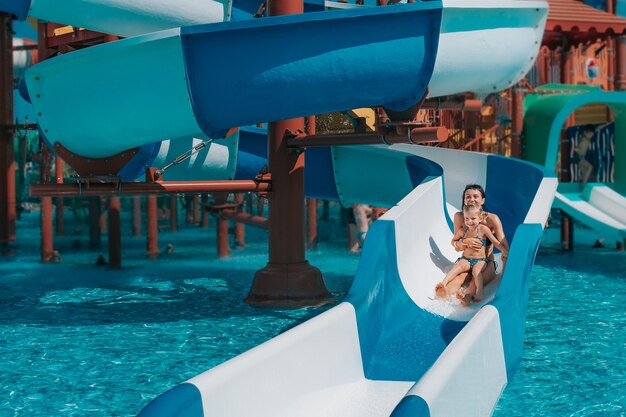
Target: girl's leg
column 489, row 274
column 460, row 266
column 477, row 278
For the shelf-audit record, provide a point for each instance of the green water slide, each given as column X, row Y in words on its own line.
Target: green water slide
column 601, row 206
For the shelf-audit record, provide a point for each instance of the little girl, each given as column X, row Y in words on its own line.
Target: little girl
column 472, row 260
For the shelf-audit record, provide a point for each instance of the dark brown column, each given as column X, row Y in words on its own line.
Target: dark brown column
column 288, row 280
column 204, row 214
column 311, row 208
column 94, row 222
column 7, row 158
column 196, row 209
column 152, row 244
column 115, row 236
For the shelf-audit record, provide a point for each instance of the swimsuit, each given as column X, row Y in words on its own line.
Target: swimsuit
column 474, row 261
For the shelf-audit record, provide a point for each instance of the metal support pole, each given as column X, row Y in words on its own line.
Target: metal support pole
column 115, row 238
column 94, row 222
column 7, row 158
column 47, row 247
column 240, row 228
column 311, row 208
column 58, row 174
column 288, row 280
column 136, row 216
column 223, row 247
column 174, row 213
column 196, row 209
column 204, row 214
column 152, row 244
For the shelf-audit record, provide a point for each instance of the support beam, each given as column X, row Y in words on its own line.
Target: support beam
column 115, row 235
column 152, row 235
column 288, row 280
column 139, row 188
column 7, row 158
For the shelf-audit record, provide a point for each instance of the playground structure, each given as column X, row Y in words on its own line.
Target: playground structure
column 496, row 330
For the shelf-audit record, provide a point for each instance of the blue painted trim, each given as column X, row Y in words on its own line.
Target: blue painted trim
column 390, row 325
column 511, row 187
column 23, row 89
column 143, row 159
column 181, row 401
column 248, row 165
column 411, row 406
column 19, row 8
column 253, row 140
column 319, row 175
column 348, row 55
column 511, row 298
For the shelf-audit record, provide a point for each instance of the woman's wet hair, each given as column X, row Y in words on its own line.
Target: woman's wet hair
column 477, row 188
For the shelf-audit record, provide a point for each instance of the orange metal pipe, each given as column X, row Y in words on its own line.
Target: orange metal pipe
column 245, row 218
column 138, row 188
column 240, row 230
column 223, row 247
column 47, row 248
column 466, row 105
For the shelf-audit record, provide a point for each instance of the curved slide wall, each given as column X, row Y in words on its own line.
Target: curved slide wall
column 120, row 17
column 391, row 346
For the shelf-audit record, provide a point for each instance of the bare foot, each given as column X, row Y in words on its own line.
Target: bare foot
column 440, row 291
column 464, row 297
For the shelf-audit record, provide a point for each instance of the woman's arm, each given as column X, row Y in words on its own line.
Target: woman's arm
column 457, row 240
column 467, row 242
column 497, row 243
column 498, row 231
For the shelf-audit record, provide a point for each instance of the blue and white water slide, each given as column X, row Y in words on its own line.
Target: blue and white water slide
column 390, row 348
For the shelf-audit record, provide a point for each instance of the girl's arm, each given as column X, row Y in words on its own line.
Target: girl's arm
column 497, row 243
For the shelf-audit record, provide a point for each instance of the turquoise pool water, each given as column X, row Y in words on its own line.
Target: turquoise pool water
column 80, row 340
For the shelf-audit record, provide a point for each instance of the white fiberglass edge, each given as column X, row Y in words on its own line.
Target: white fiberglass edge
column 130, row 18
column 118, row 98
column 590, row 216
column 312, row 370
column 486, row 45
column 540, row 208
column 470, row 374
column 22, row 58
column 609, row 201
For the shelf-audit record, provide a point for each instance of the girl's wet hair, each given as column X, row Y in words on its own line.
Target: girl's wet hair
column 476, row 187
column 470, row 207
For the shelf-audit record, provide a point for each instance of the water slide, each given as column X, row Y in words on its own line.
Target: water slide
column 390, row 348
column 600, row 206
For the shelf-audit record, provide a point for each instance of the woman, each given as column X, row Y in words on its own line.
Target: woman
column 474, row 195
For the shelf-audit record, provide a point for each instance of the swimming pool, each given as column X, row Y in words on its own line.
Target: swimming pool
column 79, row 340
